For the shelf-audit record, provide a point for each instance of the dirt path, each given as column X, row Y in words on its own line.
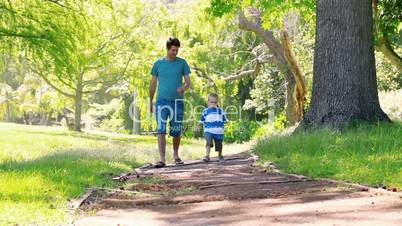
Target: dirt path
column 237, row 193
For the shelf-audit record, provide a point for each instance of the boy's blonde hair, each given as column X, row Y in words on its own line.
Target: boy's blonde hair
column 215, row 95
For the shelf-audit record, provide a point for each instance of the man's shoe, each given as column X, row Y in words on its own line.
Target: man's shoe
column 160, row 164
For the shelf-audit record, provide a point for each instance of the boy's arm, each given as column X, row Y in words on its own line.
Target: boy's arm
column 224, row 118
column 201, row 122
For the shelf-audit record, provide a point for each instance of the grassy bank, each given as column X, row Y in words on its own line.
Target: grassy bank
column 369, row 154
column 42, row 168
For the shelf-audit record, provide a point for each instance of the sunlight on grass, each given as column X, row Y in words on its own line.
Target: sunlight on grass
column 42, row 168
column 366, row 154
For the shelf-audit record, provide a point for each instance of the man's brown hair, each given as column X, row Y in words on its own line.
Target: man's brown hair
column 172, row 42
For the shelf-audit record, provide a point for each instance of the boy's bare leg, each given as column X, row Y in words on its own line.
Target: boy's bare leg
column 218, row 147
column 207, row 150
column 162, row 146
column 176, row 145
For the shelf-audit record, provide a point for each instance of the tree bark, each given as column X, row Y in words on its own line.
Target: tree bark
column 49, row 115
column 299, row 89
column 8, row 111
column 25, row 116
column 136, row 115
column 78, row 103
column 344, row 79
column 78, row 109
column 43, row 116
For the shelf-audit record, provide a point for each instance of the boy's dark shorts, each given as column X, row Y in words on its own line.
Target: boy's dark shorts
column 213, row 138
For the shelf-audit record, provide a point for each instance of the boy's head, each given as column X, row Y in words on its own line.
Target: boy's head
column 212, row 100
column 172, row 46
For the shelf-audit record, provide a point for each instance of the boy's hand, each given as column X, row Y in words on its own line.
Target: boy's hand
column 197, row 128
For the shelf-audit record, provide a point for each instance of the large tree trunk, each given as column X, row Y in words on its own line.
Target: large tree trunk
column 78, row 106
column 43, row 116
column 292, row 116
column 8, row 111
column 49, row 115
column 344, row 80
column 136, row 115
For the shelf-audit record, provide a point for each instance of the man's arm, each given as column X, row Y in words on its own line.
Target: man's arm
column 187, row 82
column 152, row 89
column 186, row 86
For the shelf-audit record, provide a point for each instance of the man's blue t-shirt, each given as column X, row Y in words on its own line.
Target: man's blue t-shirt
column 170, row 75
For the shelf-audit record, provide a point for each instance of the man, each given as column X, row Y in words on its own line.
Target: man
column 167, row 74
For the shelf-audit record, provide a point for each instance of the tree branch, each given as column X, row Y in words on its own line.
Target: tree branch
column 50, row 83
column 239, row 75
column 56, row 2
column 385, row 48
column 202, row 73
column 5, row 33
column 383, row 45
column 268, row 36
column 109, row 83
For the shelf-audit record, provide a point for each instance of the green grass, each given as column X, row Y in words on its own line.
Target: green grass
column 42, row 168
column 370, row 154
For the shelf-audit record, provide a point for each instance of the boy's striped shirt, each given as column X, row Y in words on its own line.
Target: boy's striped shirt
column 213, row 120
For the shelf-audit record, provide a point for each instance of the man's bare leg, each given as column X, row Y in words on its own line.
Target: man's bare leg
column 162, row 147
column 176, row 145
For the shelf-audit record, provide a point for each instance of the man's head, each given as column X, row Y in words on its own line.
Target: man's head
column 172, row 46
column 212, row 100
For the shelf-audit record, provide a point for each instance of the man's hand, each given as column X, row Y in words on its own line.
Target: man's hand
column 180, row 90
column 187, row 84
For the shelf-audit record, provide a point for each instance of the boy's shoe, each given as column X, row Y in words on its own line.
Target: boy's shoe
column 221, row 159
column 178, row 161
column 206, row 159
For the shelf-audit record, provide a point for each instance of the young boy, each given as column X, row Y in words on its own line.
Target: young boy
column 214, row 119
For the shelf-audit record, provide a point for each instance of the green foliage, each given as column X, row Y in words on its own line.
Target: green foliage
column 365, row 154
column 273, row 11
column 388, row 76
column 389, row 21
column 240, row 131
column 99, row 112
column 268, row 92
column 269, row 129
column 219, row 7
column 119, row 121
